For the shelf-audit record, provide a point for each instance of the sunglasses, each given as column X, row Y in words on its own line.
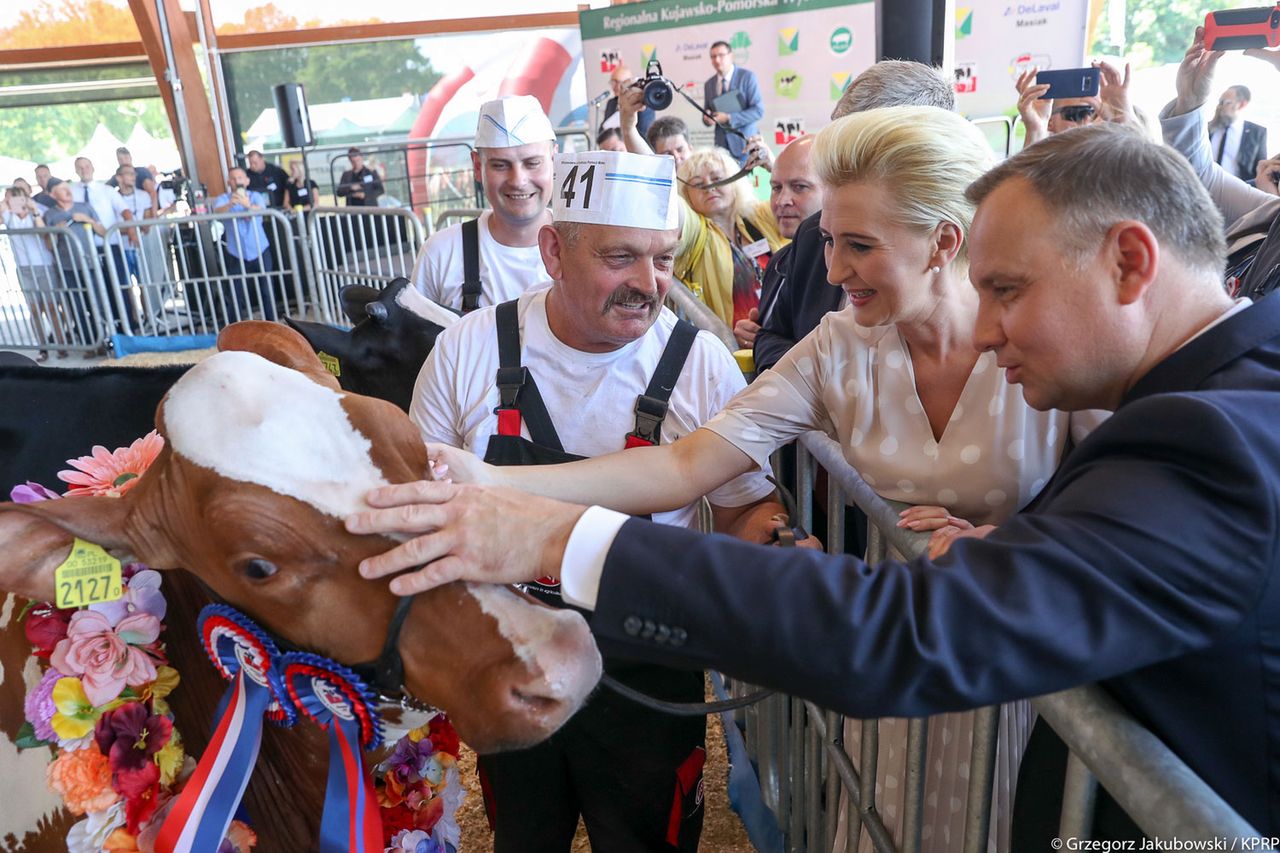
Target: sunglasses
column 1075, row 113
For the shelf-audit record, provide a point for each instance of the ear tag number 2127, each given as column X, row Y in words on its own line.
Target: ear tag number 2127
column 88, row 576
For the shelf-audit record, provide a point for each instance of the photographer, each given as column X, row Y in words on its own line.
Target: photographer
column 246, row 251
column 726, row 236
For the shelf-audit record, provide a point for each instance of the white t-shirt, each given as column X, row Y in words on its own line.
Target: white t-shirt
column 505, row 271
column 29, row 250
column 591, row 397
column 856, row 384
column 137, row 203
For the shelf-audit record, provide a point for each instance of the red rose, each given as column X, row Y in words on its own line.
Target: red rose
column 443, row 736
column 395, row 819
column 45, row 627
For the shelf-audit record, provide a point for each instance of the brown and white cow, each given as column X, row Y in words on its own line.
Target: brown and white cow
column 265, row 456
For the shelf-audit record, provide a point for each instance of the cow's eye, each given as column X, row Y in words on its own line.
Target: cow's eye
column 258, row 569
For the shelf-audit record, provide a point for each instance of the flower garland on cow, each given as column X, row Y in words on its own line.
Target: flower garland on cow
column 101, row 708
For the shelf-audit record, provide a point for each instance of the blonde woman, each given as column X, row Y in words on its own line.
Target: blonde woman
column 726, row 236
column 894, row 378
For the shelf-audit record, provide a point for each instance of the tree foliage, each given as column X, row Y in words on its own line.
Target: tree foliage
column 330, row 73
column 54, row 23
column 1156, row 32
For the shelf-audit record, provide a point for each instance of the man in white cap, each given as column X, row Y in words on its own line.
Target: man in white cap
column 495, row 258
column 588, row 366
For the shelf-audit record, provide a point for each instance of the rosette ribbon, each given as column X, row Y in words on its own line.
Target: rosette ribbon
column 337, row 700
column 246, row 657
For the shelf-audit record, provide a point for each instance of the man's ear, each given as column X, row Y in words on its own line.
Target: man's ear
column 1135, row 259
column 552, row 246
column 278, row 344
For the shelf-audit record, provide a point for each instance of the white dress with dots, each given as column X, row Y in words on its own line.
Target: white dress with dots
column 856, row 384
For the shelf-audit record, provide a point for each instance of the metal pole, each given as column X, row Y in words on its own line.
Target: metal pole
column 179, row 104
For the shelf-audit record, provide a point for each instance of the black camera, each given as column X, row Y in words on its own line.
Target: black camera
column 659, row 92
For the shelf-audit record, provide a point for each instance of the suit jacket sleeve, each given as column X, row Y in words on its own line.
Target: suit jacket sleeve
column 752, row 105
column 1186, row 135
column 1153, row 541
column 344, row 184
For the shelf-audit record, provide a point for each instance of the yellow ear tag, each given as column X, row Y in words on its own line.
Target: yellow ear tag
column 330, row 363
column 89, row 576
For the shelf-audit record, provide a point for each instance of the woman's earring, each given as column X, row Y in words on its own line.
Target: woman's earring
column 935, row 270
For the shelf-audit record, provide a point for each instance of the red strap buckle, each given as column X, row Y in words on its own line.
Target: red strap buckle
column 509, row 422
column 634, row 440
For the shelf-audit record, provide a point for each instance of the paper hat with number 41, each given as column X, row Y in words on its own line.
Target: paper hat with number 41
column 512, row 121
column 616, row 188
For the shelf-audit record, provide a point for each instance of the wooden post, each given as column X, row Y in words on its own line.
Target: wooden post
column 198, row 117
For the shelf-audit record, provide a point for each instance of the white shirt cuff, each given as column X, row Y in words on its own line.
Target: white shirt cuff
column 583, row 562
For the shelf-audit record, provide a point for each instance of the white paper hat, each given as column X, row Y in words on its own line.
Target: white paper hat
column 511, row 121
column 616, row 188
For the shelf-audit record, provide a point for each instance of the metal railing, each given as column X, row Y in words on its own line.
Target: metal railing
column 411, row 178
column 52, row 292
column 810, row 780
column 197, row 274
column 363, row 245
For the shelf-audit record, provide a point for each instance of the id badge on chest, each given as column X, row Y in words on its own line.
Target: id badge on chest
column 756, row 249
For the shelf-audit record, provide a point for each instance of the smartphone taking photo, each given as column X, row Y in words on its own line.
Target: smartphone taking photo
column 1070, row 83
column 1241, row 29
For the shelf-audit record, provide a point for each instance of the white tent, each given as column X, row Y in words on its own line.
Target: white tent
column 100, row 149
column 147, row 150
column 12, row 167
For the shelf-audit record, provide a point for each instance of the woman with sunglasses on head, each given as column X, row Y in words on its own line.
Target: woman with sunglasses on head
column 896, row 379
column 1044, row 117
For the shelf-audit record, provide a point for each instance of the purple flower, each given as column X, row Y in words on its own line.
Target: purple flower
column 30, row 493
column 141, row 595
column 39, row 706
column 409, row 759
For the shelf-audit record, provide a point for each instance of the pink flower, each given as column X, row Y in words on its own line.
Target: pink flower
column 29, row 493
column 107, row 658
column 112, row 473
column 39, row 706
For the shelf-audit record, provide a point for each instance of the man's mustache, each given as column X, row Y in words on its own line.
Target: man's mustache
column 630, row 295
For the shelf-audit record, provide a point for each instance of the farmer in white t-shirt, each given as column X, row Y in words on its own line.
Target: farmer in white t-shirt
column 513, row 157
column 587, row 366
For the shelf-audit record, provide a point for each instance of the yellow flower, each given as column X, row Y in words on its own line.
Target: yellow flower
column 76, row 715
column 166, row 682
column 169, row 759
column 419, row 733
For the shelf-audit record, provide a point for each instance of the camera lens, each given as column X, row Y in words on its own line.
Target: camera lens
column 658, row 95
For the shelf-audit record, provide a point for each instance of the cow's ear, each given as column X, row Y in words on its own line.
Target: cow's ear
column 355, row 297
column 279, row 344
column 36, row 538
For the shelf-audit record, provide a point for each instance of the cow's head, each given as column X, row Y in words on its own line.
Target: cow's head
column 394, row 330
column 264, row 458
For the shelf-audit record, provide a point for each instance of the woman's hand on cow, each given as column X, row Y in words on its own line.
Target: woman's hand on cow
column 459, row 466
column 464, row 532
column 940, row 541
column 924, row 518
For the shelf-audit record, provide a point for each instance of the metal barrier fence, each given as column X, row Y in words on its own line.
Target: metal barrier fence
column 370, row 245
column 815, row 786
column 197, row 274
column 52, row 293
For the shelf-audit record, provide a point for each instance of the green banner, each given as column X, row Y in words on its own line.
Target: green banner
column 665, row 14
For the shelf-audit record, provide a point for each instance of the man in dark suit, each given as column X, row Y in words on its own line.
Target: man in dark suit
column 748, row 107
column 1237, row 145
column 1149, row 563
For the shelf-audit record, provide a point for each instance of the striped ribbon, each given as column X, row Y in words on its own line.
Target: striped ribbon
column 246, row 657
column 336, row 699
